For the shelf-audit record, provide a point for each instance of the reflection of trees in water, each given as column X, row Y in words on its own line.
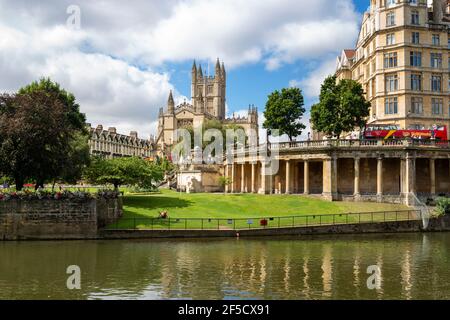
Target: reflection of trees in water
column 280, row 269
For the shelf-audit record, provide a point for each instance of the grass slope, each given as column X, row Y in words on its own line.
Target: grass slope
column 218, row 209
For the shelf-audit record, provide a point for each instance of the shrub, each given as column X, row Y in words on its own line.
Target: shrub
column 443, row 206
column 60, row 195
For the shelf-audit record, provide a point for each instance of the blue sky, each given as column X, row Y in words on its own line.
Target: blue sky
column 252, row 83
column 121, row 60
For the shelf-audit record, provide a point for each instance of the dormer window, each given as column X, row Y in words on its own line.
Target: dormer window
column 391, row 2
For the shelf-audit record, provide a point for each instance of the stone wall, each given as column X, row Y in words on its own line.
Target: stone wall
column 56, row 219
column 436, row 225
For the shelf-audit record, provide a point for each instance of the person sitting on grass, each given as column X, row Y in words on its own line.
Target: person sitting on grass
column 164, row 214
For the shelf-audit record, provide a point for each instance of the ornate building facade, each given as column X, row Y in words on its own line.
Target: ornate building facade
column 402, row 60
column 208, row 95
column 110, row 144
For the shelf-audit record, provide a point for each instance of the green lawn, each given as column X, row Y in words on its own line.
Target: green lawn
column 219, row 211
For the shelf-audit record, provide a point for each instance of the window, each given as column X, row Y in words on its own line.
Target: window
column 391, row 106
column 390, row 60
column 436, row 40
column 413, row 1
column 415, row 17
column 436, row 60
column 417, row 105
column 415, row 59
column 390, row 39
column 415, row 37
column 436, row 83
column 391, row 83
column 391, row 2
column 390, row 19
column 416, row 82
column 436, row 106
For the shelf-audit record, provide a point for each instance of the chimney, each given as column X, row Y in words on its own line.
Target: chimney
column 112, row 130
column 99, row 128
column 134, row 134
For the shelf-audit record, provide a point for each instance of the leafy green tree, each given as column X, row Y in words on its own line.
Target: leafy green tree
column 284, row 111
column 43, row 135
column 224, row 182
column 75, row 118
column 341, row 107
column 124, row 171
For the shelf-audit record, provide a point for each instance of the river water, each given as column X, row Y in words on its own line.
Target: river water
column 411, row 266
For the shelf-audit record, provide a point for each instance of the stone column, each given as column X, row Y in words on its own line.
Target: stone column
column 334, row 177
column 306, row 176
column 288, row 177
column 265, row 180
column 329, row 179
column 243, row 178
column 356, row 186
column 410, row 177
column 379, row 178
column 252, row 188
column 227, row 174
column 433, row 176
column 233, row 174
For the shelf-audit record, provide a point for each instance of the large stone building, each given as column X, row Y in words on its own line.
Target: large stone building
column 110, row 144
column 402, row 60
column 208, row 103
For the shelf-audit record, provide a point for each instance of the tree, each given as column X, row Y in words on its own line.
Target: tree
column 43, row 135
column 33, row 136
column 341, row 107
column 284, row 111
column 124, row 171
column 224, row 182
column 75, row 118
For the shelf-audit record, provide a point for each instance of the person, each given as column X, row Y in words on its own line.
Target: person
column 163, row 214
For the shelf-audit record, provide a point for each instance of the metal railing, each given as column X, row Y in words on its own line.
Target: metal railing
column 360, row 143
column 266, row 222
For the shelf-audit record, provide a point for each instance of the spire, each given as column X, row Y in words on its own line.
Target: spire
column 170, row 103
column 200, row 71
column 218, row 71
column 194, row 67
column 224, row 73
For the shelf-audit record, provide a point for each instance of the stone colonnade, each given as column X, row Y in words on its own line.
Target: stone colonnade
column 375, row 176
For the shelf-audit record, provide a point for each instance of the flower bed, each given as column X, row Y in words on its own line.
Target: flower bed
column 59, row 195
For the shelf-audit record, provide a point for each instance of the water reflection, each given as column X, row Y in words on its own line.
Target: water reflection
column 413, row 266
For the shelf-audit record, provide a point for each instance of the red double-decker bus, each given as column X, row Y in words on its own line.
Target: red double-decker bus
column 390, row 131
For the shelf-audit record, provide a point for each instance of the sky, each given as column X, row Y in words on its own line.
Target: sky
column 121, row 58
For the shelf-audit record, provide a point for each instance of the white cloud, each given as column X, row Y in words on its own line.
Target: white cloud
column 113, row 64
column 313, row 81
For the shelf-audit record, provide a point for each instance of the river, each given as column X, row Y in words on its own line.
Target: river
column 410, row 266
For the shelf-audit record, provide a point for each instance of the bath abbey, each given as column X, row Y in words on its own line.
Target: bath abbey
column 208, row 103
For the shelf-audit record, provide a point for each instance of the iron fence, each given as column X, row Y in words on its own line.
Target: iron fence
column 267, row 222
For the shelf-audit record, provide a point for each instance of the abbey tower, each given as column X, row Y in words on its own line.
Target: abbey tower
column 208, row 94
